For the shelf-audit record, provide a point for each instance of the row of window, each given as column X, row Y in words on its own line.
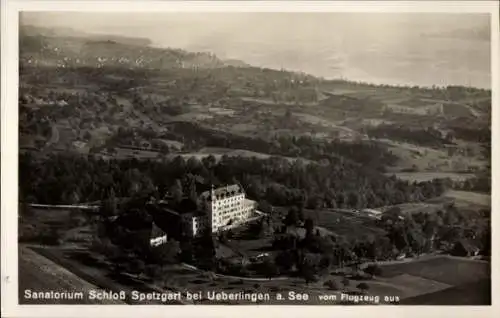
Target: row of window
column 225, row 206
column 227, row 217
column 232, row 199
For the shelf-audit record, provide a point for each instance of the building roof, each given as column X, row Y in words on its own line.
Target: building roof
column 223, row 192
column 156, row 230
column 371, row 211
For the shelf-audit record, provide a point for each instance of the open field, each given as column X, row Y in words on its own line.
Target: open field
column 344, row 224
column 251, row 247
column 234, row 152
column 426, row 176
column 124, row 153
column 93, row 268
column 413, row 285
column 470, row 198
column 315, row 120
column 427, row 159
column 41, row 225
column 443, row 280
column 219, row 152
column 424, row 207
column 443, row 269
column 476, row 293
column 467, row 201
column 39, row 274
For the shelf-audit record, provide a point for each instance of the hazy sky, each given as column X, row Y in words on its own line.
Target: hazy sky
column 378, row 47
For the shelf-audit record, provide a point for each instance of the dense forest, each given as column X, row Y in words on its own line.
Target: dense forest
column 68, row 178
column 195, row 136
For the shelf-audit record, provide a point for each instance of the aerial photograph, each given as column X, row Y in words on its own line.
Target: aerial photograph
column 254, row 158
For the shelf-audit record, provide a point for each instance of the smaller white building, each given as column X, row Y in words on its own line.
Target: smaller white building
column 373, row 213
column 157, row 237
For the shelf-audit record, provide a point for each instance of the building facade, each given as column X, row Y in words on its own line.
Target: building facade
column 158, row 236
column 220, row 209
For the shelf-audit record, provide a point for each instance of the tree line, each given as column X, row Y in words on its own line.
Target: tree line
column 72, row 178
column 428, row 137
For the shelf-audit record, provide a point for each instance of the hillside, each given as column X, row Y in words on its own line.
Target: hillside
column 98, row 94
column 68, row 48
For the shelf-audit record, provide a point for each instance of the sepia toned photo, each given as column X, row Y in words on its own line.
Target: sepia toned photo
column 254, row 158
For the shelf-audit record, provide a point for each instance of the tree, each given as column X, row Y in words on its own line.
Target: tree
column 269, row 268
column 176, row 191
column 309, row 226
column 363, row 287
column 345, row 281
column 301, row 212
column 331, row 284
column 25, row 210
column 292, row 218
column 187, row 251
column 109, row 206
column 373, row 270
column 308, row 272
column 166, row 253
column 486, row 242
column 285, row 260
column 137, row 266
column 193, row 196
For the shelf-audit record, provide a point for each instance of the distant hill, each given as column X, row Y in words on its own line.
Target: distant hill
column 236, row 63
column 30, row 30
column 67, row 48
column 478, row 34
column 122, row 40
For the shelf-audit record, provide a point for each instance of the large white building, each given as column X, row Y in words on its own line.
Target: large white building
column 221, row 209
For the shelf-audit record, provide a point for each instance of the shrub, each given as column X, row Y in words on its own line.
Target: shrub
column 374, row 270
column 331, row 284
column 363, row 287
column 360, row 275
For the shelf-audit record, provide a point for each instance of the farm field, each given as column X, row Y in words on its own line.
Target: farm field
column 233, row 152
column 218, row 152
column 410, row 208
column 443, row 280
column 476, row 293
column 470, row 198
column 426, row 159
column 72, row 226
column 124, row 153
column 466, row 200
column 250, row 247
column 344, row 224
column 38, row 273
column 427, row 176
column 411, row 285
column 91, row 267
column 443, row 269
